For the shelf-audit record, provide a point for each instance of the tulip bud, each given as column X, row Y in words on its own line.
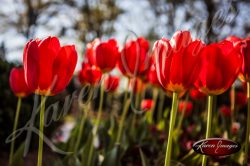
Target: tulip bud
column 225, row 111
column 17, row 82
column 235, row 127
column 134, row 59
column 186, row 106
column 111, row 83
column 89, row 74
column 147, row 104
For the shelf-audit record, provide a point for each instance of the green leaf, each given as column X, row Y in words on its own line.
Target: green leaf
column 144, row 161
column 18, row 156
column 72, row 160
column 86, row 148
column 113, row 157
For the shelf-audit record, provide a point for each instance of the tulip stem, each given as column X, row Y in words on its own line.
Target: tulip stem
column 232, row 101
column 19, row 102
column 40, row 148
column 95, row 130
column 183, row 111
column 171, row 128
column 248, row 123
column 82, row 123
column 124, row 113
column 151, row 113
column 209, row 122
column 161, row 104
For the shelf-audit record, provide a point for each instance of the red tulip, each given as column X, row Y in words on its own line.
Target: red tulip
column 147, row 104
column 235, row 127
column 245, row 70
column 240, row 99
column 134, row 59
column 233, row 39
column 107, row 54
column 221, row 63
column 103, row 54
column 17, row 82
column 196, row 94
column 90, row 51
column 187, row 144
column 152, row 76
column 48, row 67
column 225, row 111
column 111, row 83
column 187, row 107
column 177, row 61
column 89, row 74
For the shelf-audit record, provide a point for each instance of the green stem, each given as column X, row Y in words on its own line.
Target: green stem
column 171, row 128
column 134, row 118
column 232, row 98
column 161, row 103
column 120, row 130
column 40, row 148
column 182, row 114
column 155, row 95
column 79, row 137
column 248, row 123
column 14, row 129
column 124, row 113
column 209, row 122
column 99, row 115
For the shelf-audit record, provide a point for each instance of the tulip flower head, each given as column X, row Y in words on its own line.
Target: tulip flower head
column 233, row 39
column 147, row 104
column 177, row 61
column 245, row 70
column 241, row 99
column 111, row 83
column 152, row 76
column 103, row 54
column 221, row 64
column 235, row 127
column 89, row 74
column 48, row 67
column 134, row 59
column 90, row 51
column 187, row 107
column 17, row 82
column 196, row 94
column 225, row 111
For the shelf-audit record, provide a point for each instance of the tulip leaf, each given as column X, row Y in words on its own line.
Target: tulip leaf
column 113, row 157
column 72, row 160
column 86, row 149
column 18, row 156
column 144, row 161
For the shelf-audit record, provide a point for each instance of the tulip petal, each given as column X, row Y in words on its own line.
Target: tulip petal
column 176, row 66
column 162, row 53
column 210, row 74
column 191, row 62
column 232, row 62
column 48, row 50
column 246, row 59
column 180, row 40
column 63, row 68
column 31, row 64
column 106, row 55
column 17, row 82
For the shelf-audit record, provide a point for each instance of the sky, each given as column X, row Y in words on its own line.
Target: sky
column 138, row 18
